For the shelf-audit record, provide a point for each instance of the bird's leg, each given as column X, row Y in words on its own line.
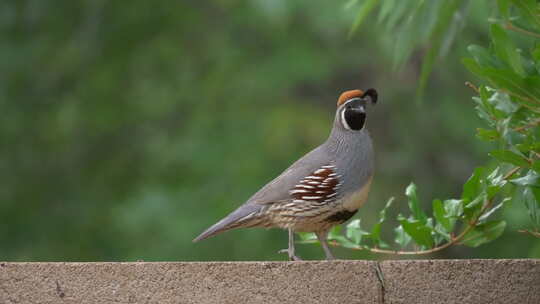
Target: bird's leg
column 290, row 250
column 322, row 236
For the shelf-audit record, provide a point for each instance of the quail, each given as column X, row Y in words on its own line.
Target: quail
column 322, row 189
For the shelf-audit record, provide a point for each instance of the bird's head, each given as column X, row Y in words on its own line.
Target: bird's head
column 351, row 108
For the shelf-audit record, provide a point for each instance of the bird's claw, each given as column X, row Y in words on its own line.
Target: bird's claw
column 291, row 255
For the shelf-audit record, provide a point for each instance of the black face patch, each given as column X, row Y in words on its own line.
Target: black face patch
column 355, row 118
column 341, row 216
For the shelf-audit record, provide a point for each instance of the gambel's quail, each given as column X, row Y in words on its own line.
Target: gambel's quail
column 322, row 189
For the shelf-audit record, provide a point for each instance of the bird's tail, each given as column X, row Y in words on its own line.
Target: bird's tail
column 241, row 217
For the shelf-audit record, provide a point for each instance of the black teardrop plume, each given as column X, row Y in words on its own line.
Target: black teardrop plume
column 372, row 93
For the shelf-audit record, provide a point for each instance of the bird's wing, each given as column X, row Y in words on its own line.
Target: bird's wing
column 312, row 177
column 309, row 179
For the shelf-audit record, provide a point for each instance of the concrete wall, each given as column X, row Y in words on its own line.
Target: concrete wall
column 413, row 281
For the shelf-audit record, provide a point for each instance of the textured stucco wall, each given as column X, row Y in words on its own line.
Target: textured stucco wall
column 414, row 281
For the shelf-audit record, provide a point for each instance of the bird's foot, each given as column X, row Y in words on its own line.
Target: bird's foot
column 290, row 253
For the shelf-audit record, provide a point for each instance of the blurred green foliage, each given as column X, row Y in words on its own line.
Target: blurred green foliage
column 128, row 129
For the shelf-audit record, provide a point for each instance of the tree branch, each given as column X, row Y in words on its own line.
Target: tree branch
column 524, row 98
column 453, row 241
column 472, row 86
column 510, row 26
column 511, row 172
column 533, row 233
column 531, row 124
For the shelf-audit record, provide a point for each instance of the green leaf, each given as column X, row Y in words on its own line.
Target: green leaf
column 335, row 231
column 335, row 235
column 495, row 181
column 453, row 208
column 483, row 113
column 445, row 224
column 488, row 135
column 355, row 232
column 472, row 209
column 508, row 156
column 444, row 19
column 482, row 56
column 495, row 105
column 473, row 67
column 440, row 234
column 503, row 127
column 490, row 212
column 363, row 12
column 307, row 237
column 505, row 49
column 493, row 190
column 382, row 213
column 485, row 93
column 387, row 7
column 350, row 4
column 402, row 238
column 440, row 215
column 535, row 54
column 529, row 10
column 526, row 147
column 531, row 198
column 504, row 8
column 473, row 186
column 508, row 80
column 484, row 233
column 502, row 102
column 536, row 166
column 418, row 231
column 528, row 87
column 376, row 235
column 414, row 203
column 376, row 230
column 531, row 179
column 399, row 11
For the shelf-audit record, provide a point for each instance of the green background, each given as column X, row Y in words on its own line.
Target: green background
column 127, row 128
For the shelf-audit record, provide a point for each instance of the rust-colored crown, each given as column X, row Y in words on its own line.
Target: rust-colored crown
column 349, row 95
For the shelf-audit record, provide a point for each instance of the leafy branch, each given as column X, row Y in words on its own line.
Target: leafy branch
column 510, row 107
column 453, row 241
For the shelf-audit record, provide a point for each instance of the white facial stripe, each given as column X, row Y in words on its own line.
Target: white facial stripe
column 343, row 120
column 352, row 99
